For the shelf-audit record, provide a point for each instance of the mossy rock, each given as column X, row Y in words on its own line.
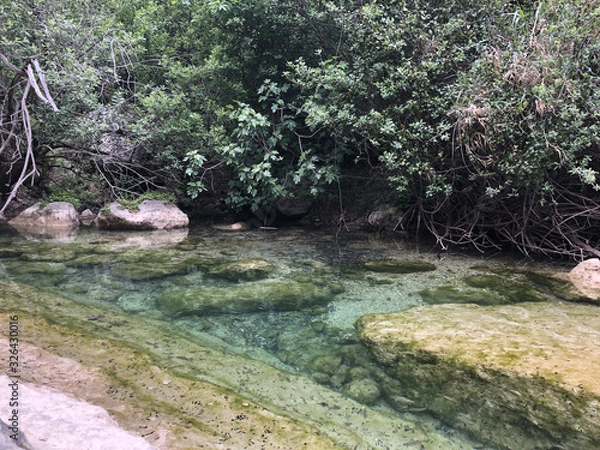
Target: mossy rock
column 47, row 252
column 243, row 270
column 41, row 269
column 91, row 260
column 451, row 294
column 328, row 364
column 555, row 284
column 514, row 290
column 242, row 298
column 364, row 390
column 8, row 253
column 149, row 271
column 322, row 281
column 396, row 266
column 521, row 377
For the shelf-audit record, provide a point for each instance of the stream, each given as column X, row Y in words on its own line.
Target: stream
column 284, row 300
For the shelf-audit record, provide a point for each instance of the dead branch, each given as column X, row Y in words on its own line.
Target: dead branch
column 567, row 225
column 15, row 127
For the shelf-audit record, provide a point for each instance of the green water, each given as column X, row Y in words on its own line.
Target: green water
column 286, row 298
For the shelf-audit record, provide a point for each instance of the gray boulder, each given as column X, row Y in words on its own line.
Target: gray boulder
column 55, row 215
column 150, row 215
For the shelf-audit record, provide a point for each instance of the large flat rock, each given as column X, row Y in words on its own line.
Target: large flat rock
column 521, row 377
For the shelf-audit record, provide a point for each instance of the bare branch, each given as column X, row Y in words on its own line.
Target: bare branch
column 42, row 79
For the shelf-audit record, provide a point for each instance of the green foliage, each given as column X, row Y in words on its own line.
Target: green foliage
column 529, row 107
column 132, row 203
column 471, row 110
column 476, row 110
column 72, row 190
column 388, row 90
column 267, row 156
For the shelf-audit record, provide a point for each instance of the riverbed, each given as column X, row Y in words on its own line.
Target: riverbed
column 300, row 360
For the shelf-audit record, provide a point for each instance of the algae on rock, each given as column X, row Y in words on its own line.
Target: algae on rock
column 243, row 270
column 451, row 294
column 248, row 297
column 514, row 290
column 523, row 376
column 397, row 266
column 203, row 392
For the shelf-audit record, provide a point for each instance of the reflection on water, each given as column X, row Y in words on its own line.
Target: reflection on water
column 286, row 297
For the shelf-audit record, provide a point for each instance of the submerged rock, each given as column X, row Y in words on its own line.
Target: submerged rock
column 396, row 266
column 138, row 271
column 522, row 377
column 36, row 268
column 248, row 297
column 150, row 215
column 490, row 289
column 237, row 226
column 513, row 290
column 328, row 364
column 365, row 391
column 556, row 284
column 243, row 270
column 451, row 294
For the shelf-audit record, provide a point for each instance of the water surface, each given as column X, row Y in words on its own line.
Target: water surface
column 141, row 275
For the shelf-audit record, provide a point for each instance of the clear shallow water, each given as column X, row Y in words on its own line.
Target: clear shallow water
column 135, row 272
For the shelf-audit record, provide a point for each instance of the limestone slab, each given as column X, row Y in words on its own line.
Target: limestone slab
column 521, row 376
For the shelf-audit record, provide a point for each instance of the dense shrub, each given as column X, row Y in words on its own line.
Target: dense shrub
column 483, row 116
column 485, row 113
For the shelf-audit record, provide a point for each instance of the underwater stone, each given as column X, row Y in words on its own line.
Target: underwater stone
column 135, row 302
column 147, row 271
column 243, row 270
column 337, row 380
column 356, row 373
column 513, row 290
column 363, row 390
column 10, row 253
column 395, row 266
column 318, row 326
column 91, row 260
column 321, row 378
column 328, row 364
column 556, row 284
column 243, row 298
column 522, row 377
column 50, row 253
column 336, row 288
column 451, row 294
column 38, row 268
column 238, row 226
